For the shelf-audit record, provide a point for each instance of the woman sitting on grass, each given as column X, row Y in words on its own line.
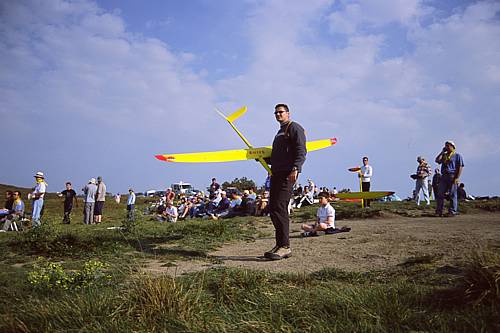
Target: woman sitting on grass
column 325, row 218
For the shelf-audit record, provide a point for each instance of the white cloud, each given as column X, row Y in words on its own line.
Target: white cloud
column 74, row 62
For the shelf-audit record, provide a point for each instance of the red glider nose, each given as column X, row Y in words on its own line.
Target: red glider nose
column 333, row 141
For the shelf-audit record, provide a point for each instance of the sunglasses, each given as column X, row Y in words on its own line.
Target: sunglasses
column 279, row 112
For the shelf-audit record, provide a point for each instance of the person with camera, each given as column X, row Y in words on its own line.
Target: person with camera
column 452, row 166
column 422, row 181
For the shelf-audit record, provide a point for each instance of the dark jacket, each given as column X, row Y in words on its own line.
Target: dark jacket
column 289, row 149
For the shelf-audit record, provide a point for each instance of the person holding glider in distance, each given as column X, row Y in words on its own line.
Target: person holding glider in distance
column 366, row 175
column 452, row 165
column 287, row 157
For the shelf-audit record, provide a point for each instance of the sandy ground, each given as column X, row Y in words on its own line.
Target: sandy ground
column 371, row 244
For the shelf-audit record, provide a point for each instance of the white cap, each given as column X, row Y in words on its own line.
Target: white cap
column 39, row 174
column 92, row 180
column 451, row 143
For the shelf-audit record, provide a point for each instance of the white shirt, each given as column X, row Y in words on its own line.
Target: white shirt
column 324, row 212
column 40, row 188
column 131, row 199
column 172, row 211
column 366, row 173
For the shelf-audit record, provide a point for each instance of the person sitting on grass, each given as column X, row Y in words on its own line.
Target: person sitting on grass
column 184, row 208
column 16, row 213
column 307, row 199
column 169, row 214
column 325, row 218
column 235, row 207
column 222, row 207
column 261, row 204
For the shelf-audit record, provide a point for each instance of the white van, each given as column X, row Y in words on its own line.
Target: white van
column 181, row 187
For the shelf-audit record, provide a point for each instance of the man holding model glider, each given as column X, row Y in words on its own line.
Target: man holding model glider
column 287, row 157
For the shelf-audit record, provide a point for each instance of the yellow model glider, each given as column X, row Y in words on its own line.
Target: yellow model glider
column 251, row 153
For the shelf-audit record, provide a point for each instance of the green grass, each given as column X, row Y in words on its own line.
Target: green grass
column 414, row 296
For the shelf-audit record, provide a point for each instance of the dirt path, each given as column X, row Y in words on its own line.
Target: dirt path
column 371, row 244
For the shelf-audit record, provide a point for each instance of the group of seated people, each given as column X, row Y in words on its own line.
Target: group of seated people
column 217, row 206
column 11, row 216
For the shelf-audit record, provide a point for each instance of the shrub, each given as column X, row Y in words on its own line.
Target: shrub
column 51, row 275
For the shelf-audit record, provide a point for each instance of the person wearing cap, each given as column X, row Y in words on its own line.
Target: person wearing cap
column 37, row 197
column 287, row 157
column 99, row 201
column 422, row 180
column 325, row 218
column 452, row 166
column 130, row 205
column 90, row 191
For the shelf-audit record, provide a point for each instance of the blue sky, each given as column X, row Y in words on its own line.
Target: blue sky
column 98, row 88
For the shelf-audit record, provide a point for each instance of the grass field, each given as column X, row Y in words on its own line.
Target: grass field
column 78, row 278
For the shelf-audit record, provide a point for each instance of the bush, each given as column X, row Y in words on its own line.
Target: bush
column 50, row 275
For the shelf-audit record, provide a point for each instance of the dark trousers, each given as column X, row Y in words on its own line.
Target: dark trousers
column 365, row 187
column 130, row 213
column 279, row 197
column 67, row 214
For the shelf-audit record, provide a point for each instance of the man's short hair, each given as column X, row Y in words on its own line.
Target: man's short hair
column 365, row 158
column 213, row 179
column 18, row 193
column 283, row 106
column 68, row 183
column 324, row 195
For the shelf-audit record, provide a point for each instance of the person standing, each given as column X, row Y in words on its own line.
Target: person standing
column 287, row 157
column 366, row 174
column 214, row 186
column 422, row 181
column 69, row 197
column 452, row 165
column 99, row 202
column 130, row 204
column 37, row 197
column 435, row 182
column 90, row 191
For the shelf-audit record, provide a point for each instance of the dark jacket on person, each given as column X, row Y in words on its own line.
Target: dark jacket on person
column 289, row 148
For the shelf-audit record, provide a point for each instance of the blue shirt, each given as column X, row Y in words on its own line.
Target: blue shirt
column 452, row 166
column 19, row 207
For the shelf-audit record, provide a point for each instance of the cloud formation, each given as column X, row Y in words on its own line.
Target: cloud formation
column 390, row 79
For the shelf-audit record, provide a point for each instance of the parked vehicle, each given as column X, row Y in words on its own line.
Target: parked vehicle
column 184, row 188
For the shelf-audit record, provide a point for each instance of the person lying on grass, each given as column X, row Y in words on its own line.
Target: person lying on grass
column 325, row 218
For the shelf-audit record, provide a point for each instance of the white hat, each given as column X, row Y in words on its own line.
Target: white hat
column 92, row 180
column 223, row 192
column 451, row 143
column 39, row 174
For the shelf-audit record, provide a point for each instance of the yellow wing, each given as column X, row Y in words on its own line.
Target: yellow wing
column 238, row 154
column 218, row 156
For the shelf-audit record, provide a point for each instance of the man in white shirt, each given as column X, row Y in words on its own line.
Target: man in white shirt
column 130, row 204
column 366, row 174
column 325, row 218
column 171, row 212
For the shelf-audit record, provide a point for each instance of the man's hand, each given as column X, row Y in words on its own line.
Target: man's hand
column 293, row 176
column 456, row 181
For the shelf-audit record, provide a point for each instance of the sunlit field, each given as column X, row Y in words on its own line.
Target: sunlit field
column 88, row 278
